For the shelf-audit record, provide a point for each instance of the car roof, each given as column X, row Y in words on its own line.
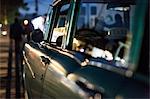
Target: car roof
column 110, row 1
column 55, row 2
column 59, row 2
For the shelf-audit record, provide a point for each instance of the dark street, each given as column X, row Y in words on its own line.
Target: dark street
column 7, row 75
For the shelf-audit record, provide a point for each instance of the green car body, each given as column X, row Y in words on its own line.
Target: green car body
column 57, row 68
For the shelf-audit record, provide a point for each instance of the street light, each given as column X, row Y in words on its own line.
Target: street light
column 0, row 25
column 25, row 22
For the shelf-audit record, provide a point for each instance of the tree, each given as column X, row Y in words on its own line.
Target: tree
column 9, row 9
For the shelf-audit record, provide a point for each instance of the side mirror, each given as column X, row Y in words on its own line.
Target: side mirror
column 37, row 35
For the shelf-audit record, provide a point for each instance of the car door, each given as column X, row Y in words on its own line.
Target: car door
column 56, row 85
column 36, row 64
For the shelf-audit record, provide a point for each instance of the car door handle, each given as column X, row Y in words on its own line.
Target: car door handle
column 42, row 77
column 45, row 60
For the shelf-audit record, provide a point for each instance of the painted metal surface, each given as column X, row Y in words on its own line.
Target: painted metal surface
column 60, row 72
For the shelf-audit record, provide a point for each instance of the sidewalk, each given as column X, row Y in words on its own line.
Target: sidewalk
column 5, row 84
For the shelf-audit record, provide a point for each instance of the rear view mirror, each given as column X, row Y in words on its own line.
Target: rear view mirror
column 37, row 36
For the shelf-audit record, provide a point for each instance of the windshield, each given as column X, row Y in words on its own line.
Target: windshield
column 103, row 32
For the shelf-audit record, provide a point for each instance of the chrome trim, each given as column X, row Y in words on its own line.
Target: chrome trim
column 56, row 2
column 108, row 67
column 65, row 53
column 26, row 61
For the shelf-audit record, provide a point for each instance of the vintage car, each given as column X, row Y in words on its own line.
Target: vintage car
column 82, row 54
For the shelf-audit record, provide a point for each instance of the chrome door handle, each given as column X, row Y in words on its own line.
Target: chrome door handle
column 42, row 77
column 45, row 60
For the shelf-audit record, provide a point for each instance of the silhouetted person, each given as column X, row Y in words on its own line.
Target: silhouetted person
column 116, row 26
column 118, row 22
column 28, row 28
column 16, row 32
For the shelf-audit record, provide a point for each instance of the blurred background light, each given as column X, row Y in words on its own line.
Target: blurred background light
column 0, row 25
column 4, row 33
column 25, row 22
column 38, row 23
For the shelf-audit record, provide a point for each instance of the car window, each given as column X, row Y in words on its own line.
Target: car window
column 104, row 33
column 60, row 30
